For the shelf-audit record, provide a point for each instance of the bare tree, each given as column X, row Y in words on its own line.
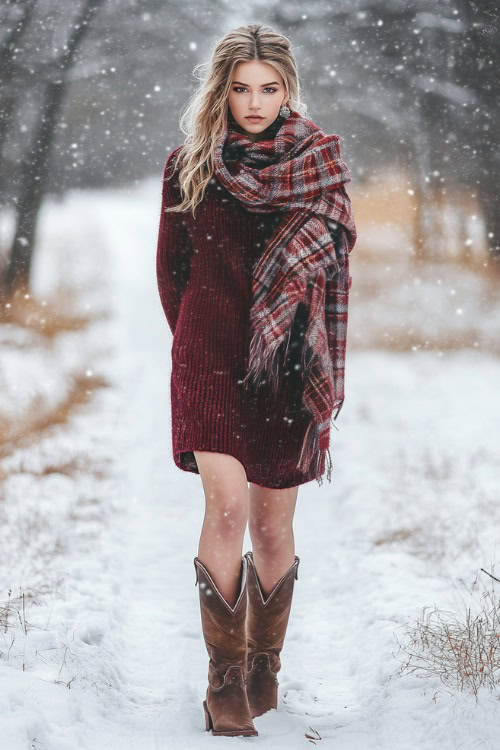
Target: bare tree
column 35, row 169
column 9, row 54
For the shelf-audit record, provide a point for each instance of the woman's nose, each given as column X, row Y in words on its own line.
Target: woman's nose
column 255, row 101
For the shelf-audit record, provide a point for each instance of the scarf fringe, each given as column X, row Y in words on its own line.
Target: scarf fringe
column 311, row 455
column 264, row 361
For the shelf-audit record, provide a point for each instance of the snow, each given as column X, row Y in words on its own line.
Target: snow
column 424, row 19
column 446, row 89
column 101, row 527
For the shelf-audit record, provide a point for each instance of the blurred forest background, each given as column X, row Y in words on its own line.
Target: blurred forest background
column 90, row 96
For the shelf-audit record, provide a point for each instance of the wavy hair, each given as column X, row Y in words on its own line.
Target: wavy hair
column 205, row 116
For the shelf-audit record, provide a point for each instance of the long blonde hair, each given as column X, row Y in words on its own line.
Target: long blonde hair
column 205, row 116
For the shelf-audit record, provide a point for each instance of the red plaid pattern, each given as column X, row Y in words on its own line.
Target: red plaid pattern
column 298, row 171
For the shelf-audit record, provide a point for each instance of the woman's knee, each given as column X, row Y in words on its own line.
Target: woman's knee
column 226, row 490
column 269, row 535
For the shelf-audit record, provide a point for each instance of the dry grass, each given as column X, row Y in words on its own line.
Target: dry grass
column 14, row 623
column 430, row 542
column 29, row 428
column 314, row 737
column 44, row 519
column 463, row 650
column 49, row 317
column 69, row 468
column 400, row 304
column 398, row 535
column 15, row 610
column 401, row 301
column 386, row 205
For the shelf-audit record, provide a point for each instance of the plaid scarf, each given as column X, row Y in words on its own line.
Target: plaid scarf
column 297, row 169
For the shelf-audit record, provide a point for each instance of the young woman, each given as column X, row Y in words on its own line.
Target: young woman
column 253, row 273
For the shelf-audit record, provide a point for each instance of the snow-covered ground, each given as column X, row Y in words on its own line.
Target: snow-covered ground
column 98, row 528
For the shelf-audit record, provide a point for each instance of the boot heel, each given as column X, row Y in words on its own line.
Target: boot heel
column 208, row 718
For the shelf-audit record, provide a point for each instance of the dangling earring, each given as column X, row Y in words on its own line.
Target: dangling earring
column 285, row 111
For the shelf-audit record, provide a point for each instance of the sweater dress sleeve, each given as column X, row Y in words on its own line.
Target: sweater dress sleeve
column 174, row 249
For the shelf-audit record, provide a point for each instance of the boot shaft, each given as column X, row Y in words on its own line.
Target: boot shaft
column 224, row 627
column 267, row 617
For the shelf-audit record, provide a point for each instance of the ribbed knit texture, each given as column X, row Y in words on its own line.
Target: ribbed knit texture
column 204, row 273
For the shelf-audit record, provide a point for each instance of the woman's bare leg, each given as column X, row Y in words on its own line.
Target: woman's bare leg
column 226, row 514
column 271, row 531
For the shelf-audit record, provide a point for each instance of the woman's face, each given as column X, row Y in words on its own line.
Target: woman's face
column 256, row 89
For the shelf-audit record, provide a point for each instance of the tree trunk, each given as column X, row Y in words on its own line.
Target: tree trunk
column 8, row 89
column 32, row 189
column 420, row 163
column 33, row 178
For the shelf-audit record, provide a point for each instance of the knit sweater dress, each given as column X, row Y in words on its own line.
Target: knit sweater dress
column 204, row 274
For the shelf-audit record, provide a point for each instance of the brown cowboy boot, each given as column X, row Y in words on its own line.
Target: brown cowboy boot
column 224, row 629
column 267, row 620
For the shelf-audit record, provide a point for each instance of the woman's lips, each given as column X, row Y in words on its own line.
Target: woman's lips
column 254, row 117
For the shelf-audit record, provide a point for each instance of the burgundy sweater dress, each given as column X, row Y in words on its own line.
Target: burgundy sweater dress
column 204, row 274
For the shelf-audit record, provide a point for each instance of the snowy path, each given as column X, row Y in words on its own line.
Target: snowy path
column 407, row 458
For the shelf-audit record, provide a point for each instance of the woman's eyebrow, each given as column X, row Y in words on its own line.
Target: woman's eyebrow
column 262, row 84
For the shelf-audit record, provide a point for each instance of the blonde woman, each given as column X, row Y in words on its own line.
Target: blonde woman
column 253, row 251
